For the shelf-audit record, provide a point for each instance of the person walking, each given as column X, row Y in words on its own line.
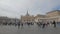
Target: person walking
column 43, row 25
column 54, row 23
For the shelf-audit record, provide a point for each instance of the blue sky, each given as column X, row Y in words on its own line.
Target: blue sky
column 16, row 8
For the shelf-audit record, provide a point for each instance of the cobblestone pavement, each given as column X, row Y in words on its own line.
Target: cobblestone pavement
column 29, row 30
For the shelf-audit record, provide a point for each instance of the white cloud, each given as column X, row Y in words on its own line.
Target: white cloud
column 15, row 8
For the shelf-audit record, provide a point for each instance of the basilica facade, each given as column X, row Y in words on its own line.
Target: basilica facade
column 49, row 17
column 27, row 18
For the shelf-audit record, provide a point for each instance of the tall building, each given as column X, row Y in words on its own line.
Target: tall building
column 54, row 15
column 27, row 18
column 49, row 17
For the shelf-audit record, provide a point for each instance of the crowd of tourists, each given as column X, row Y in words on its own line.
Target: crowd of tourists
column 46, row 24
column 40, row 24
